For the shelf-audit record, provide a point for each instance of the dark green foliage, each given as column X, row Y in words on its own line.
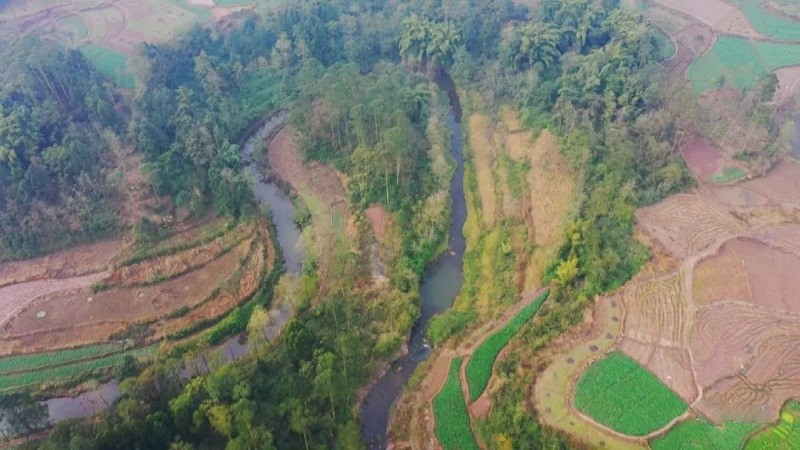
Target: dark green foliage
column 57, row 124
column 127, row 368
column 21, row 414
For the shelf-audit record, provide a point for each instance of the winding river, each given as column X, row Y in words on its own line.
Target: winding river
column 282, row 212
column 441, row 283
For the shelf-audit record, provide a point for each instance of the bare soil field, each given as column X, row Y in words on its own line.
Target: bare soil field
column 378, row 219
column 717, row 14
column 75, row 315
column 702, row 157
column 80, row 260
column 721, row 327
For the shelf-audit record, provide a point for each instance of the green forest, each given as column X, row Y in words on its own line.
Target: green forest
column 355, row 77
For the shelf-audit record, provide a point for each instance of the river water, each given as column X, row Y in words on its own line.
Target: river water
column 282, row 212
column 440, row 285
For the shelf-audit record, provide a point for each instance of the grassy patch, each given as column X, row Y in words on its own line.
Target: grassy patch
column 78, row 27
column 767, row 23
column 450, row 411
column 112, row 64
column 516, row 172
column 479, row 369
column 233, row 2
column 66, row 371
column 728, row 175
column 39, row 360
column 739, row 63
column 784, row 435
column 701, row 435
column 616, row 391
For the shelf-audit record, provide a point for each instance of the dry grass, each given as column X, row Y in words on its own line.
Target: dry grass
column 482, row 147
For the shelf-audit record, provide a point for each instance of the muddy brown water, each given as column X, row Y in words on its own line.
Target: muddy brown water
column 282, row 212
column 441, row 283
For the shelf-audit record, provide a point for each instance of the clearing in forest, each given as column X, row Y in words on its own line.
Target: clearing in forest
column 617, row 392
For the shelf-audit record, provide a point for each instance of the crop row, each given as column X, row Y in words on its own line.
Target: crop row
column 479, row 369
column 63, row 372
column 41, row 360
column 450, row 412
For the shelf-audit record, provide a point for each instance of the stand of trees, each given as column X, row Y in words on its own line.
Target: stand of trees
column 57, row 122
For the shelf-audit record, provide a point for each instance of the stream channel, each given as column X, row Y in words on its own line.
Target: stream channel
column 282, row 211
column 441, row 282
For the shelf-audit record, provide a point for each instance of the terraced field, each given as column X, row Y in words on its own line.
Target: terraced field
column 453, row 427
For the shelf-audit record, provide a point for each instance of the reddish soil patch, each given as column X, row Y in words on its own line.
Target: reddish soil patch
column 788, row 81
column 719, row 15
column 781, row 184
column 702, row 158
column 378, row 218
column 74, row 311
column 748, row 361
column 80, row 260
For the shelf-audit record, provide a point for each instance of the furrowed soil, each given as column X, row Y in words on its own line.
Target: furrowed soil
column 720, row 324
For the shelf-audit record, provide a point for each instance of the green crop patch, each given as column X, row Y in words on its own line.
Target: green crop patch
column 479, row 369
column 40, row 360
column 619, row 393
column 728, row 175
column 702, row 435
column 767, row 23
column 784, row 435
column 67, row 371
column 739, row 63
column 112, row 64
column 450, row 412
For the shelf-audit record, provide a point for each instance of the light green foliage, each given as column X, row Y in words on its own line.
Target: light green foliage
column 110, row 63
column 767, row 23
column 740, row 63
column 479, row 369
column 66, row 371
column 40, row 360
column 450, row 412
column 226, row 3
column 448, row 324
column 515, row 172
column 728, row 175
column 783, row 436
column 616, row 391
column 702, row 435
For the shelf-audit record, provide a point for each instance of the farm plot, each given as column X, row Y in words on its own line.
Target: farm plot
column 718, row 14
column 784, row 435
column 739, row 63
column 67, row 371
column 767, row 23
column 41, row 360
column 701, row 435
column 110, row 63
column 482, row 148
column 453, row 427
column 479, row 368
column 619, row 393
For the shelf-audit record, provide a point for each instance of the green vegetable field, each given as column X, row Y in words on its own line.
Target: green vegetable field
column 41, row 360
column 784, row 435
column 739, row 63
column 450, row 411
column 730, row 174
column 479, row 369
column 769, row 24
column 110, row 63
column 701, row 435
column 619, row 393
column 63, row 372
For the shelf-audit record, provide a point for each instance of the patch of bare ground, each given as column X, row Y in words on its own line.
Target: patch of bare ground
column 378, row 219
column 178, row 263
column 747, row 361
column 781, row 185
column 73, row 318
column 80, row 260
column 702, row 157
column 788, row 82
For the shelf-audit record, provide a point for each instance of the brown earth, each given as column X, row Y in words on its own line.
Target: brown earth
column 722, row 327
column 378, row 218
column 75, row 312
column 702, row 157
column 721, row 16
